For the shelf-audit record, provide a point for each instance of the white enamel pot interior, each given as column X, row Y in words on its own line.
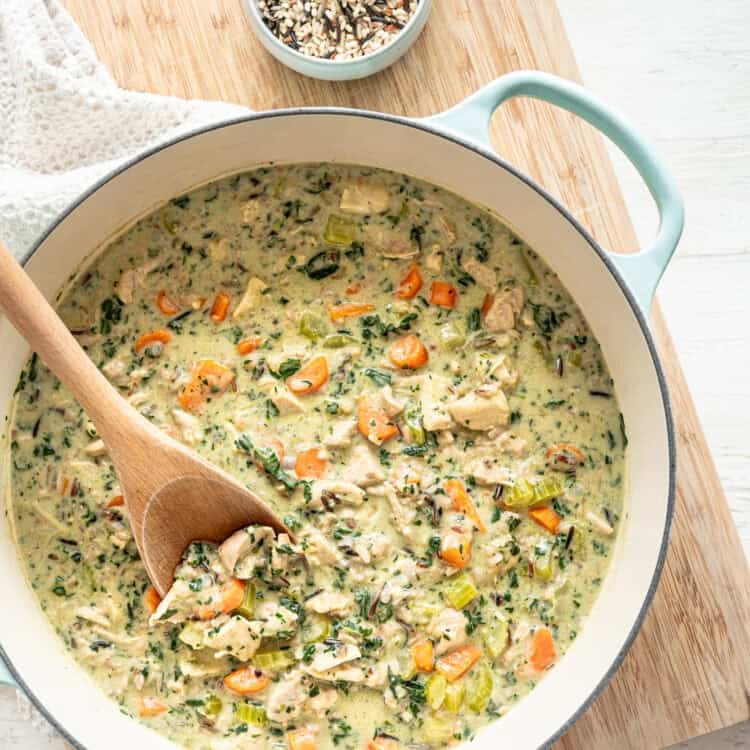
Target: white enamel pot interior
column 32, row 650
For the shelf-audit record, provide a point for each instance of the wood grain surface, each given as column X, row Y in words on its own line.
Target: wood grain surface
column 688, row 672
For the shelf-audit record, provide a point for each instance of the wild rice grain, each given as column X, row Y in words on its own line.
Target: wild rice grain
column 337, row 29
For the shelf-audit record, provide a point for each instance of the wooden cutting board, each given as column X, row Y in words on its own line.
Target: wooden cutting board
column 689, row 670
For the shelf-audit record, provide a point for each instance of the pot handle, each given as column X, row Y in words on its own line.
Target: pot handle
column 471, row 118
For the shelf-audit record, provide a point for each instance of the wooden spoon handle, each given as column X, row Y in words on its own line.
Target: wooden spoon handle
column 30, row 313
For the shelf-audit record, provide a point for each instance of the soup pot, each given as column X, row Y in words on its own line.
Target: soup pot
column 451, row 150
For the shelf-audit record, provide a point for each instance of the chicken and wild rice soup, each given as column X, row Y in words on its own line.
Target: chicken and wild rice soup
column 415, row 393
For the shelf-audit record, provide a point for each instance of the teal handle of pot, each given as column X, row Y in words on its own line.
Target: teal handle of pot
column 641, row 271
column 6, row 678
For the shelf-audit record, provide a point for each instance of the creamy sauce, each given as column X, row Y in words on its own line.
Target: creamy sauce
column 416, row 394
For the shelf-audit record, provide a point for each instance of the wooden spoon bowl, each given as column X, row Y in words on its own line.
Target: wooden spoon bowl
column 173, row 496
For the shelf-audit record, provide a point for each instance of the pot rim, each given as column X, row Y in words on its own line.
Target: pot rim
column 555, row 204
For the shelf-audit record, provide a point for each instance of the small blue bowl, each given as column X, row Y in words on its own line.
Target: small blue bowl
column 340, row 70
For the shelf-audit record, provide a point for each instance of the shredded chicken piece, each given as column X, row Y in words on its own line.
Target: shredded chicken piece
column 285, row 401
column 365, row 197
column 362, row 468
column 448, row 629
column 481, row 273
column 331, row 602
column 251, row 298
column 190, row 426
column 318, row 550
column 236, row 637
column 326, row 493
column 403, row 514
column 505, row 310
column 341, row 434
column 482, row 409
column 286, row 698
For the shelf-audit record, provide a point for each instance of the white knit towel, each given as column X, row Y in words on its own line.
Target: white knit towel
column 64, row 122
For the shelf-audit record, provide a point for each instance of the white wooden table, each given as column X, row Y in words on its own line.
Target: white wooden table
column 681, row 71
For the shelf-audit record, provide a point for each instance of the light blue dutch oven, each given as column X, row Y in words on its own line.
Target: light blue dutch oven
column 451, row 150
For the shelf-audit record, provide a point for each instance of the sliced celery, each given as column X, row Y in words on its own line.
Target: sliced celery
column 451, row 337
column 578, row 544
column 460, row 590
column 495, row 638
column 436, row 731
column 543, row 567
column 213, row 705
column 247, row 608
column 317, row 628
column 413, row 421
column 311, row 326
column 454, row 696
column 271, row 660
column 339, row 230
column 423, row 611
column 338, row 340
column 479, row 690
column 406, row 667
column 525, row 494
column 435, row 691
column 249, row 713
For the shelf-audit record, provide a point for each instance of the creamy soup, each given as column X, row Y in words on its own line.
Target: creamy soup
column 417, row 395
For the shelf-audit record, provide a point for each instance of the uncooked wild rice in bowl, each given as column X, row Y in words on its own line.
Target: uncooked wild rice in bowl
column 337, row 29
column 338, row 39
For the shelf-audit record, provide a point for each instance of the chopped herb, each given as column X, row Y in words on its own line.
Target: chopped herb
column 378, row 376
column 474, row 320
column 323, row 264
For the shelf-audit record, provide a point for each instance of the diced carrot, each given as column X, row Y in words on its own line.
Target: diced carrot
column 373, row 422
column 220, row 307
column 302, row 739
column 152, row 707
column 487, row 304
column 546, row 518
column 352, row 310
column 353, row 288
column 458, row 662
column 160, row 335
column 116, row 501
column 443, row 294
column 458, row 557
column 382, row 742
column 410, row 284
column 247, row 680
column 408, row 352
column 166, row 304
column 310, row 465
column 462, row 502
column 423, row 654
column 151, row 599
column 246, row 346
column 208, row 378
column 543, row 652
column 230, row 597
column 312, row 377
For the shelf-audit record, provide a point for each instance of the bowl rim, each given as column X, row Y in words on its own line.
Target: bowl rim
column 260, row 27
column 599, row 252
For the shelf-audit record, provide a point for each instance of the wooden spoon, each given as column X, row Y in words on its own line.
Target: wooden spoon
column 173, row 496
